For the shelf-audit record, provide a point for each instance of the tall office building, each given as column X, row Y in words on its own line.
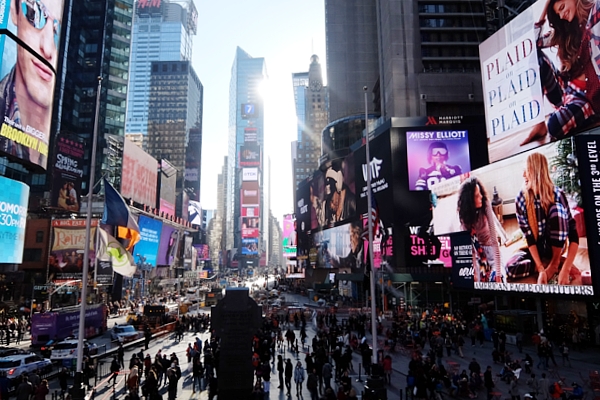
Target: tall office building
column 245, row 182
column 312, row 110
column 162, row 31
column 175, row 125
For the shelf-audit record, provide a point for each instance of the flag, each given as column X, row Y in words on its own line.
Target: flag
column 110, row 249
column 116, row 213
column 374, row 215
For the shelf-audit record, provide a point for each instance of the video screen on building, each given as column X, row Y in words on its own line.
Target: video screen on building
column 436, row 155
column 168, row 246
column 250, row 196
column 249, row 246
column 290, row 236
column 67, row 174
column 250, row 155
column 68, row 246
column 525, row 223
column 14, row 198
column 139, row 177
column 533, row 88
column 145, row 252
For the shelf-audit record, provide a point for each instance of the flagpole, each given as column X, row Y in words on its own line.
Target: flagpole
column 370, row 227
column 78, row 384
column 97, row 240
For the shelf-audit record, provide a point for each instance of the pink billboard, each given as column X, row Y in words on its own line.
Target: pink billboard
column 139, row 174
column 289, row 235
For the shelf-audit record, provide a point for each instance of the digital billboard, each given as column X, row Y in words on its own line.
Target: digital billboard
column 343, row 247
column 193, row 155
column 525, row 221
column 139, row 174
column 436, row 155
column 534, row 85
column 203, row 252
column 250, row 155
column 14, row 198
column 250, row 194
column 250, row 135
column 67, row 174
column 249, row 174
column 249, row 111
column 67, row 250
column 250, row 222
column 167, row 248
column 290, row 240
column 145, row 252
column 168, row 185
column 250, row 246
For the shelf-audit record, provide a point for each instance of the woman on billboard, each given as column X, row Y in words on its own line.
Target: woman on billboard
column 574, row 89
column 477, row 216
column 545, row 218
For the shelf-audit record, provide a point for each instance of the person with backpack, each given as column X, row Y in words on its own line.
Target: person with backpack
column 173, row 378
column 564, row 352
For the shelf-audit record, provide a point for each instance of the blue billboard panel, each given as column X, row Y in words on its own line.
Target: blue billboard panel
column 14, row 197
column 249, row 246
column 146, row 251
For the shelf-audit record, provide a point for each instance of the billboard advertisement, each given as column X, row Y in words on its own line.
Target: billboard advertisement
column 249, row 174
column 290, row 240
column 203, row 252
column 424, row 248
column 167, row 248
column 68, row 245
column 250, row 155
column 14, row 198
column 527, row 101
column 188, row 253
column 250, row 135
column 168, row 185
column 145, row 252
column 192, row 164
column 526, row 225
column 67, row 174
column 250, row 194
column 344, row 247
column 139, row 174
column 250, row 220
column 436, row 155
column 249, row 111
column 250, row 246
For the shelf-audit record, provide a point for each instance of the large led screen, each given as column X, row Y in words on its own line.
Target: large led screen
column 525, row 222
column 68, row 246
column 250, row 246
column 145, row 252
column 169, row 243
column 436, row 155
column 250, row 155
column 14, row 198
column 67, row 174
column 343, row 247
column 249, row 194
column 290, row 237
column 139, row 177
column 534, row 79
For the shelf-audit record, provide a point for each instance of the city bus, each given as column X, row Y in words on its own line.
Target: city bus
column 60, row 324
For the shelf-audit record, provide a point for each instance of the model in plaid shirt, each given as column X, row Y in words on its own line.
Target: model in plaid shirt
column 545, row 219
column 574, row 89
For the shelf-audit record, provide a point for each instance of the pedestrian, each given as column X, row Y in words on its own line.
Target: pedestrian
column 299, row 378
column 543, row 393
column 280, row 369
column 514, row 389
column 519, row 341
column 133, row 381
column 197, row 373
column 24, row 390
column 326, row 374
column 173, row 378
column 289, row 372
column 564, row 352
column 62, row 380
column 121, row 355
column 114, row 369
column 488, row 381
column 387, row 369
column 312, row 384
column 42, row 390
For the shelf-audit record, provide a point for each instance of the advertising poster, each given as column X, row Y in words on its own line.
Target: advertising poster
column 250, row 194
column 249, row 111
column 437, row 155
column 168, row 185
column 139, row 177
column 290, row 240
column 462, row 260
column 68, row 245
column 250, row 247
column 250, row 135
column 167, row 249
column 14, row 199
column 505, row 219
column 250, row 226
column 524, row 111
column 303, row 210
column 145, row 252
column 105, row 273
column 343, row 247
column 424, row 248
column 202, row 251
column 192, row 164
column 67, row 174
column 249, row 174
column 250, row 155
column 188, row 253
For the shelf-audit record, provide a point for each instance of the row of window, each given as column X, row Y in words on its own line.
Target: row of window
column 465, row 7
column 460, row 37
column 447, row 51
column 452, row 22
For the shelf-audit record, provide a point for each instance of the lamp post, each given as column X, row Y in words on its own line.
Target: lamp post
column 370, row 227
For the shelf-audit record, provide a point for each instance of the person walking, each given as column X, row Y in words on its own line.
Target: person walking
column 280, row 370
column 299, row 378
column 326, row 374
column 514, row 389
column 564, row 352
column 488, row 381
column 121, row 355
column 312, row 384
column 289, row 372
column 543, row 393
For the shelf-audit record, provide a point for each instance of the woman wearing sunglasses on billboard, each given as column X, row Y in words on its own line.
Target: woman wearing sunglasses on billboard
column 574, row 89
column 477, row 217
column 545, row 218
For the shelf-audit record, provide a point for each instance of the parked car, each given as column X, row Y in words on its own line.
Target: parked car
column 124, row 333
column 67, row 349
column 18, row 364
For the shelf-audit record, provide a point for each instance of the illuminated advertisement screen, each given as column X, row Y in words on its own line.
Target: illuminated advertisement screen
column 168, row 184
column 167, row 248
column 344, row 247
column 14, row 198
column 250, row 155
column 250, row 135
column 523, row 110
column 192, row 164
column 67, row 174
column 249, row 174
column 434, row 156
column 139, row 177
column 145, row 252
column 290, row 240
column 525, row 222
column 250, row 222
column 68, row 246
column 249, row 246
column 250, row 194
column 203, row 252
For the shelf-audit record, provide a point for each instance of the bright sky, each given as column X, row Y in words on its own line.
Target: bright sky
column 285, row 33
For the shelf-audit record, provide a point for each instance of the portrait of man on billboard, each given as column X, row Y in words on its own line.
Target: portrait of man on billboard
column 339, row 198
column 26, row 92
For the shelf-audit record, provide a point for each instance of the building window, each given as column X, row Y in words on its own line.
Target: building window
column 39, row 237
column 32, row 255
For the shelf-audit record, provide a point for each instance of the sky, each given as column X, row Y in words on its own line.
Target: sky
column 285, row 33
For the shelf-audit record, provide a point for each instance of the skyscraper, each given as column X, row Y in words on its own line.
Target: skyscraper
column 162, row 31
column 245, row 183
column 175, row 125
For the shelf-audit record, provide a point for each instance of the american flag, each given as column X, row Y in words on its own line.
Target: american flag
column 374, row 215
